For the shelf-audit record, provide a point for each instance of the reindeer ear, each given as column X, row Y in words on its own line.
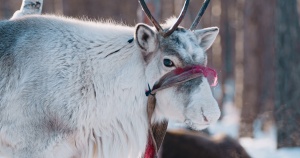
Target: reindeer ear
column 207, row 36
column 146, row 38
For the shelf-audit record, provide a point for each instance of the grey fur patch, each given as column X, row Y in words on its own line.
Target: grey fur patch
column 180, row 29
column 9, row 34
column 177, row 45
column 189, row 86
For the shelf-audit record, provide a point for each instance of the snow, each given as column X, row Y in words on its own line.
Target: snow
column 263, row 145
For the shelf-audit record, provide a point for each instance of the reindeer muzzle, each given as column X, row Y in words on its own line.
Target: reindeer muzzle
column 173, row 78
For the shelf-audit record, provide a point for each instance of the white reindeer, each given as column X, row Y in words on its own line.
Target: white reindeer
column 73, row 88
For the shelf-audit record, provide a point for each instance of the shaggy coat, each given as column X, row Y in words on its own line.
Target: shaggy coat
column 72, row 88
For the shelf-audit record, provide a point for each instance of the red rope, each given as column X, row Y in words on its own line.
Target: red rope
column 150, row 150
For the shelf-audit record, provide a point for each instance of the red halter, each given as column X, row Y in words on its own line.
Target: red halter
column 180, row 75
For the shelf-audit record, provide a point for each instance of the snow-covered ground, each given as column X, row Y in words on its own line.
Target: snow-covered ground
column 262, row 146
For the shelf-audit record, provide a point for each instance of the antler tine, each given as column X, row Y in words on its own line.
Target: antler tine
column 151, row 18
column 179, row 19
column 199, row 15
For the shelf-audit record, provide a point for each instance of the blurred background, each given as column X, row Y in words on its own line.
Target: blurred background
column 257, row 56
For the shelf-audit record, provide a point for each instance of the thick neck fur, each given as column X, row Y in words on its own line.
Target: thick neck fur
column 115, row 122
column 93, row 63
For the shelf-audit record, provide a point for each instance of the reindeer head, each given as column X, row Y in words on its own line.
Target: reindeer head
column 171, row 47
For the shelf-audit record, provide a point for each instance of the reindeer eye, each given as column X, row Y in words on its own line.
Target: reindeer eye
column 168, row 63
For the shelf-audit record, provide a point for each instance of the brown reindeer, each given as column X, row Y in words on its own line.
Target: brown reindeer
column 188, row 144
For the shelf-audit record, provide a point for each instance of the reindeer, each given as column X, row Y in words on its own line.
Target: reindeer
column 74, row 88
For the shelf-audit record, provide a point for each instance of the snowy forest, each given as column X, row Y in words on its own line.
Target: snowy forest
column 256, row 55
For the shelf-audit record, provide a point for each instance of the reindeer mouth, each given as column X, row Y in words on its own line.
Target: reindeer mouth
column 196, row 126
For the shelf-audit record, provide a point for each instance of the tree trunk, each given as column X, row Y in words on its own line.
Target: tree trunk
column 227, row 34
column 267, row 70
column 8, row 8
column 258, row 63
column 251, row 66
column 287, row 103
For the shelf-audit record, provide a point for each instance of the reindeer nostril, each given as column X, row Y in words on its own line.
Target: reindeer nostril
column 205, row 119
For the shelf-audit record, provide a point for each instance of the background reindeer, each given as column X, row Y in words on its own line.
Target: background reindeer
column 191, row 144
column 72, row 88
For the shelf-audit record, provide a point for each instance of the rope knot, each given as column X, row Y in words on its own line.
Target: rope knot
column 149, row 91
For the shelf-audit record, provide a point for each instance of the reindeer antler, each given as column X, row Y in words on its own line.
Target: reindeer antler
column 156, row 24
column 199, row 15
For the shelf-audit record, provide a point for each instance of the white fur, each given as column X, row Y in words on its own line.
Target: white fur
column 67, row 75
column 29, row 7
